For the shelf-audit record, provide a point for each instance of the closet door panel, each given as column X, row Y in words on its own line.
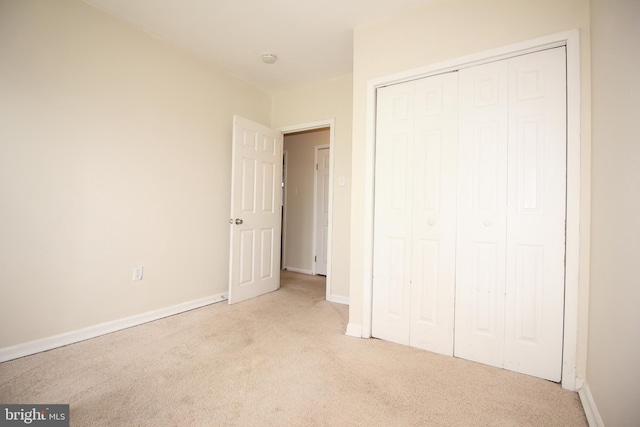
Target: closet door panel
column 536, row 221
column 415, row 213
column 434, row 213
column 481, row 238
column 393, row 214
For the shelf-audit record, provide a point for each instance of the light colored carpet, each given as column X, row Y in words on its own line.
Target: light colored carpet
column 278, row 360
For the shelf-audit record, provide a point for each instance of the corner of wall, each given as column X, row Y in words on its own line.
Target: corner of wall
column 338, row 299
column 589, row 405
column 354, row 330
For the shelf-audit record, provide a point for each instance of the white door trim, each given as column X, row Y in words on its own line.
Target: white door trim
column 316, row 153
column 330, row 123
column 283, row 256
column 573, row 281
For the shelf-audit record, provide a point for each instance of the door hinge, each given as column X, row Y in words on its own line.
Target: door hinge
column 315, row 258
column 316, row 166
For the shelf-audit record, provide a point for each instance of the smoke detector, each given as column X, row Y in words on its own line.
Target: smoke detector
column 269, row 58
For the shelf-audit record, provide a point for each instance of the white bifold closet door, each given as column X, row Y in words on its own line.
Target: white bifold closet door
column 469, row 226
column 415, row 210
column 511, row 214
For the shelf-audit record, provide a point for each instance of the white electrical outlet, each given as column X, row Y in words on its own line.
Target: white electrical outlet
column 137, row 272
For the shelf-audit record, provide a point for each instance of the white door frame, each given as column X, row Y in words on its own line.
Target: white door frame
column 283, row 250
column 316, row 153
column 327, row 123
column 573, row 281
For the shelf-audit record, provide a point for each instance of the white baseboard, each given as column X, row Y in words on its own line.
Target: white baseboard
column 299, row 270
column 338, row 299
column 49, row 343
column 354, row 330
column 589, row 405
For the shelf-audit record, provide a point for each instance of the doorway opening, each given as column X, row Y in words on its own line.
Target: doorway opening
column 307, row 199
column 305, row 189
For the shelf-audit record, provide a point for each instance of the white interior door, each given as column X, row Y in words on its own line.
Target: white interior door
column 393, row 208
column 536, row 207
column 415, row 209
column 482, row 205
column 321, row 214
column 474, row 237
column 511, row 217
column 433, row 255
column 254, row 267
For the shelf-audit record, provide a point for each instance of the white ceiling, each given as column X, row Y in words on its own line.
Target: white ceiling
column 313, row 40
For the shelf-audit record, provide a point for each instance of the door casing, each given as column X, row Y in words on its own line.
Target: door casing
column 317, row 238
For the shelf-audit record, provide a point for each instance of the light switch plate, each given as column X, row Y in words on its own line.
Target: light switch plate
column 137, row 272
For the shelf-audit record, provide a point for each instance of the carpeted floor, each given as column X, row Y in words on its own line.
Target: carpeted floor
column 278, row 360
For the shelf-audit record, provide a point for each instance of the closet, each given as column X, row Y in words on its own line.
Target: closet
column 469, row 213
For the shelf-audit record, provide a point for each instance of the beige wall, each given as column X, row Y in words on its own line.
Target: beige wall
column 330, row 99
column 300, row 148
column 613, row 374
column 115, row 151
column 443, row 31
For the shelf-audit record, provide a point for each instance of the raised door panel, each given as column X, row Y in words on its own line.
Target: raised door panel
column 536, row 221
column 247, row 243
column 268, row 194
column 481, row 232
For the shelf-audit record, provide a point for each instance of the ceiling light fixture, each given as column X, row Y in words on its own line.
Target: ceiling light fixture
column 269, row 58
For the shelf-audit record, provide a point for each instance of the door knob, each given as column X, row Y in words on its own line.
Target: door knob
column 238, row 221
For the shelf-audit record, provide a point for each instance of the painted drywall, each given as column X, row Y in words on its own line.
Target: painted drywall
column 300, row 164
column 614, row 349
column 115, row 152
column 331, row 99
column 443, row 31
